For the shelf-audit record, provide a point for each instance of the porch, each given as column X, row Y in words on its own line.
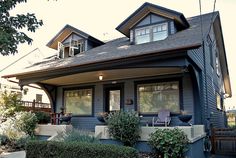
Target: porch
column 145, row 90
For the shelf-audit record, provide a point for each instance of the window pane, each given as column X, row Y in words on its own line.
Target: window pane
column 156, row 96
column 218, row 101
column 142, row 39
column 142, row 35
column 114, row 101
column 159, row 35
column 78, row 102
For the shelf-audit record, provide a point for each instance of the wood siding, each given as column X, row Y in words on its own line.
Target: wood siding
column 89, row 123
column 211, row 84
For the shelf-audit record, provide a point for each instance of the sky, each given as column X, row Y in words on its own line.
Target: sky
column 99, row 18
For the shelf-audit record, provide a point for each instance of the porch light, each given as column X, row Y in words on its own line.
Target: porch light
column 100, row 77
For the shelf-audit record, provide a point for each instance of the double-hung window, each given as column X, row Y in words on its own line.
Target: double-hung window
column 153, row 97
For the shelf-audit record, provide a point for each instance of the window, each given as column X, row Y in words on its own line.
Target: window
column 160, row 32
column 210, row 46
column 218, row 101
column 142, row 35
column 114, row 100
column 156, row 96
column 217, row 64
column 151, row 33
column 78, row 102
column 76, row 47
column 39, row 98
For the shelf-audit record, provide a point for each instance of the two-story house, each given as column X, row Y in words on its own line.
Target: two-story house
column 165, row 61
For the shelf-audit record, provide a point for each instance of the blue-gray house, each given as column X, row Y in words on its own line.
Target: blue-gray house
column 164, row 61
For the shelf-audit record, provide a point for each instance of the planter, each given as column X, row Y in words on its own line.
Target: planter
column 101, row 119
column 185, row 120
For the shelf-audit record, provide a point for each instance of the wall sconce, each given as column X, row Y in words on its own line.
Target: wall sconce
column 100, row 77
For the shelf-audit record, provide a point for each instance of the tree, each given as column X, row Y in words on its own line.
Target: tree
column 11, row 27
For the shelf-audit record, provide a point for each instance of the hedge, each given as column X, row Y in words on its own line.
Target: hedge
column 44, row 149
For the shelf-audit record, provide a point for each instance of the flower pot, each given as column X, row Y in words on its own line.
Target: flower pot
column 185, row 120
column 101, row 119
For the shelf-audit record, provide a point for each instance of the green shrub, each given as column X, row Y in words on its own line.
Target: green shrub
column 43, row 149
column 76, row 135
column 9, row 104
column 124, row 126
column 3, row 140
column 26, row 122
column 43, row 117
column 171, row 143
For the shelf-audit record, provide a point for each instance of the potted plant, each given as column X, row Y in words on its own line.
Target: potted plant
column 102, row 117
column 184, row 117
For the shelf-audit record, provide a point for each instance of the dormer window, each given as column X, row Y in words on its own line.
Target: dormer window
column 151, row 33
column 142, row 35
column 70, row 49
column 160, row 32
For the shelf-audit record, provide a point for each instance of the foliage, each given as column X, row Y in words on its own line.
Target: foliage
column 124, row 126
column 9, row 129
column 26, row 122
column 76, row 135
column 3, row 140
column 169, row 142
column 50, row 149
column 17, row 130
column 10, row 103
column 11, row 26
column 43, row 117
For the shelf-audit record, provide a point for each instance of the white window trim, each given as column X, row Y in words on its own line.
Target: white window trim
column 150, row 27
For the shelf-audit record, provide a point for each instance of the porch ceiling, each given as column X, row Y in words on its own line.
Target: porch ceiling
column 110, row 75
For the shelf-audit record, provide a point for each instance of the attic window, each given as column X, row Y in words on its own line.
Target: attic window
column 151, row 33
column 70, row 49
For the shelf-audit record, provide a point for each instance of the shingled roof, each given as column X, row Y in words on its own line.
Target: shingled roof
column 121, row 48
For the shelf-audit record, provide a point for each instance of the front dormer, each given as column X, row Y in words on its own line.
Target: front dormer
column 152, row 23
column 71, row 41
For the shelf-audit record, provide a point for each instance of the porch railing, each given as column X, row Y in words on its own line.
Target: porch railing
column 55, row 118
column 224, row 141
column 36, row 106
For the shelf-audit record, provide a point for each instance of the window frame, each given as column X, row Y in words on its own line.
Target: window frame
column 80, row 88
column 150, row 81
column 150, row 27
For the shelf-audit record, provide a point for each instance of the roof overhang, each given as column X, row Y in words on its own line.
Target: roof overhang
column 65, row 32
column 147, row 8
column 222, row 55
column 32, row 76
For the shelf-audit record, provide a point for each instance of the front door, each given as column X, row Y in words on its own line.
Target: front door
column 113, row 97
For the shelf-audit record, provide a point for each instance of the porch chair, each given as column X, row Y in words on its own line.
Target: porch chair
column 163, row 118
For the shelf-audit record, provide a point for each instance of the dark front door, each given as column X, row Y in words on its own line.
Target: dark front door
column 113, row 97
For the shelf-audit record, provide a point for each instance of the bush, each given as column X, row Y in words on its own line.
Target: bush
column 9, row 104
column 76, row 135
column 3, row 140
column 171, row 143
column 124, row 126
column 26, row 122
column 43, row 149
column 43, row 117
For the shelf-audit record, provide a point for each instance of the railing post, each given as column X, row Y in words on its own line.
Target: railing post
column 33, row 105
column 213, row 141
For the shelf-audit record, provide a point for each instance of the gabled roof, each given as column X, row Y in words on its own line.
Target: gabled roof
column 68, row 30
column 147, row 8
column 121, row 49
